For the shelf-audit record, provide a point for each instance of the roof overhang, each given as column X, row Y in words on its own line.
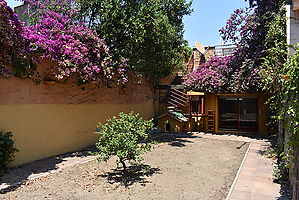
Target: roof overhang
column 191, row 93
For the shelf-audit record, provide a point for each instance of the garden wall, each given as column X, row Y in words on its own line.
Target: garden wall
column 53, row 118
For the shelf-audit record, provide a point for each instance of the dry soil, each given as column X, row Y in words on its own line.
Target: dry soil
column 180, row 167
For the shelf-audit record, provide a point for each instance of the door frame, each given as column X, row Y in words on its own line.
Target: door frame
column 238, row 127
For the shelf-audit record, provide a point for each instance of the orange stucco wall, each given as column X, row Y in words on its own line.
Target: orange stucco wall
column 53, row 118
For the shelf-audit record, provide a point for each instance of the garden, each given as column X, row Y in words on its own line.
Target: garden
column 106, row 42
column 181, row 166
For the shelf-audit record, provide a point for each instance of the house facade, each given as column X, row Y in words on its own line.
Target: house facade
column 211, row 112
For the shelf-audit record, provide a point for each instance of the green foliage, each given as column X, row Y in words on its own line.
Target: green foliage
column 272, row 70
column 26, row 70
column 290, row 112
column 281, row 173
column 148, row 33
column 276, row 151
column 273, row 63
column 276, row 45
column 121, row 137
column 280, row 77
column 7, row 150
column 271, row 35
column 187, row 52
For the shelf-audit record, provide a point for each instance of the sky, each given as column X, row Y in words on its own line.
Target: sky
column 207, row 18
column 204, row 23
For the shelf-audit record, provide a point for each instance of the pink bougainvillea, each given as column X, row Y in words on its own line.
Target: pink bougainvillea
column 58, row 34
column 12, row 46
column 220, row 74
column 76, row 49
column 210, row 76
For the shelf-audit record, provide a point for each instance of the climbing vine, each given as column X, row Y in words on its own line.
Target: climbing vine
column 290, row 112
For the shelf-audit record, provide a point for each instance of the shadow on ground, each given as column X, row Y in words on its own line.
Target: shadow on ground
column 134, row 174
column 173, row 139
column 285, row 192
column 15, row 177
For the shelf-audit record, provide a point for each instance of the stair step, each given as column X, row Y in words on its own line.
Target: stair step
column 178, row 87
column 176, row 102
column 173, row 104
column 178, row 99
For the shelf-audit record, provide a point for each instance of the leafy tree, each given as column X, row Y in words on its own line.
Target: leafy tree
column 273, row 63
column 258, row 31
column 121, row 136
column 260, row 34
column 187, row 52
column 148, row 33
column 248, row 29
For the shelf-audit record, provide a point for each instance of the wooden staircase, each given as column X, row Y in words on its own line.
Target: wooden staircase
column 177, row 97
column 174, row 97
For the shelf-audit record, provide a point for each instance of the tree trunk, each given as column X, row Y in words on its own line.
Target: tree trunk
column 123, row 164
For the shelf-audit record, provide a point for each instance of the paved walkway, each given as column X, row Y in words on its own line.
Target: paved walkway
column 255, row 178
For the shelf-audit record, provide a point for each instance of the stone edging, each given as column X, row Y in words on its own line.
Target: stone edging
column 238, row 173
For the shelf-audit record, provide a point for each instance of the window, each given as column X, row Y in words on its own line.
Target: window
column 196, row 105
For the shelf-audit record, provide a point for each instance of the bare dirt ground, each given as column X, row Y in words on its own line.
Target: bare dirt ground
column 180, row 167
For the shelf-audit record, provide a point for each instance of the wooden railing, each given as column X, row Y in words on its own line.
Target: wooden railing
column 225, row 50
column 177, row 98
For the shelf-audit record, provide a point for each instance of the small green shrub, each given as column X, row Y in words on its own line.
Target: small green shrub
column 122, row 137
column 7, row 150
column 281, row 173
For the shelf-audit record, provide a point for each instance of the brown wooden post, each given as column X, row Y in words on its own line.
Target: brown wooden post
column 203, row 105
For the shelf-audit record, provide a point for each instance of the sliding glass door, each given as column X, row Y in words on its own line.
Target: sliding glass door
column 238, row 113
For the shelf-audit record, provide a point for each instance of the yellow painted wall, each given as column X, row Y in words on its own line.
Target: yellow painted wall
column 211, row 103
column 43, row 130
column 53, row 118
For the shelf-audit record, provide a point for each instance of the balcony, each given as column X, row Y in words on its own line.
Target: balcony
column 225, row 50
